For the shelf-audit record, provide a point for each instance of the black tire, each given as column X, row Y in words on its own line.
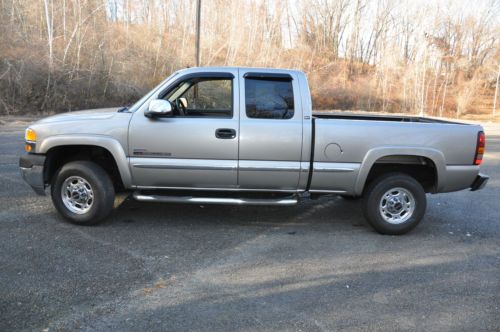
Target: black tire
column 100, row 184
column 373, row 202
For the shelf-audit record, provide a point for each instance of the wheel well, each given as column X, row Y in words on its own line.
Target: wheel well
column 420, row 168
column 61, row 155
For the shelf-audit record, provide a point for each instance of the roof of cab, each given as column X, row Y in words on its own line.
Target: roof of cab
column 246, row 69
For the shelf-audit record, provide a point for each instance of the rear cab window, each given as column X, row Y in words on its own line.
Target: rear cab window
column 269, row 96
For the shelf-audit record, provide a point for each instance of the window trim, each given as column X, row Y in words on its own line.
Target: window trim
column 268, row 76
column 205, row 76
column 271, row 78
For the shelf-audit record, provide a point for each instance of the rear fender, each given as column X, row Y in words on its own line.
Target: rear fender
column 375, row 154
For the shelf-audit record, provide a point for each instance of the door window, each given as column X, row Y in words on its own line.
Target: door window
column 268, row 98
column 203, row 97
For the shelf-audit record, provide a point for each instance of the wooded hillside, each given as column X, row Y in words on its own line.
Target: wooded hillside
column 418, row 57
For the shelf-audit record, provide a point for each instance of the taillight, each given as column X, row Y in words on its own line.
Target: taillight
column 481, row 144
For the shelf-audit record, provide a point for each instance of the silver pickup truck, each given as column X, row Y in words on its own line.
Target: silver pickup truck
column 247, row 136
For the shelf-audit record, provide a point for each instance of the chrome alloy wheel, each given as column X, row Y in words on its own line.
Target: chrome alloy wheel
column 77, row 194
column 397, row 205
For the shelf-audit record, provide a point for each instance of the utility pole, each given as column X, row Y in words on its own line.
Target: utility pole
column 198, row 15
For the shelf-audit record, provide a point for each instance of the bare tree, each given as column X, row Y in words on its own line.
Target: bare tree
column 375, row 55
column 496, row 93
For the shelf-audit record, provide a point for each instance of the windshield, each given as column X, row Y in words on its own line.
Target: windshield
column 141, row 101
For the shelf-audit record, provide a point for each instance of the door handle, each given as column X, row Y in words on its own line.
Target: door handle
column 225, row 133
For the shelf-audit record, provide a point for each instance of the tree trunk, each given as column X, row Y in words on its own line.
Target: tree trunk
column 496, row 94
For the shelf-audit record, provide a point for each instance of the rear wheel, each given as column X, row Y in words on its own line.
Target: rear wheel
column 82, row 192
column 394, row 203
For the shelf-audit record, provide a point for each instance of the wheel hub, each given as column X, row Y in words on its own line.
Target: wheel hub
column 397, row 205
column 77, row 194
column 394, row 205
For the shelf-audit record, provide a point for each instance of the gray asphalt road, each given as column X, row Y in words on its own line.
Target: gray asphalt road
column 317, row 266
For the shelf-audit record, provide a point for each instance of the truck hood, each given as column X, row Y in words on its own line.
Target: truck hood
column 101, row 122
column 94, row 114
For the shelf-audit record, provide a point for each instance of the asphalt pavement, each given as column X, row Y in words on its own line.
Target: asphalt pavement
column 315, row 266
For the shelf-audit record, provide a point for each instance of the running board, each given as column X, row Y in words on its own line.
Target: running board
column 290, row 200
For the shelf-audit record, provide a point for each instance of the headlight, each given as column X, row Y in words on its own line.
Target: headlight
column 30, row 135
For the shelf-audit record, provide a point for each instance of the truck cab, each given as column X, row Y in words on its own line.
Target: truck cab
column 225, row 129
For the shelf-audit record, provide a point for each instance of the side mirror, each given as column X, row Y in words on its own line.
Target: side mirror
column 159, row 108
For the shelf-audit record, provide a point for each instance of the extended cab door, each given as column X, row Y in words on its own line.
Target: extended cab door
column 270, row 130
column 198, row 146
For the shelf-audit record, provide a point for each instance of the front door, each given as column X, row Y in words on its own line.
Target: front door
column 197, row 147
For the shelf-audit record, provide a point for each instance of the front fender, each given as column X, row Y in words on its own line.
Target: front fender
column 106, row 142
column 375, row 154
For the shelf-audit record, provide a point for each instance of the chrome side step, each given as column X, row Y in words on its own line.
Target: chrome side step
column 290, row 200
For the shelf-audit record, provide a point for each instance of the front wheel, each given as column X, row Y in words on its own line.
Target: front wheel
column 82, row 192
column 394, row 203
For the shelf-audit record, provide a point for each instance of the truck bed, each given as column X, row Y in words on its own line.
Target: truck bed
column 344, row 143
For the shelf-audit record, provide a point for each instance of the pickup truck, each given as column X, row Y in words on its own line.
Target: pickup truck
column 225, row 135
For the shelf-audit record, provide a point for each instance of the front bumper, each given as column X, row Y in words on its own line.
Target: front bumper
column 31, row 166
column 479, row 182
